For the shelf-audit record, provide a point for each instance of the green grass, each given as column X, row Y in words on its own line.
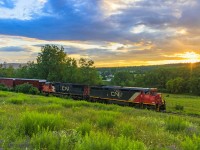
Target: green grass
column 33, row 122
column 184, row 104
column 39, row 122
column 176, row 124
column 104, row 141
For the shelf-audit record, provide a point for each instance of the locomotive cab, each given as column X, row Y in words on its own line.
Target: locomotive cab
column 154, row 99
column 48, row 88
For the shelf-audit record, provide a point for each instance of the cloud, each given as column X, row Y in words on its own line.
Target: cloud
column 13, row 49
column 21, row 9
column 106, row 31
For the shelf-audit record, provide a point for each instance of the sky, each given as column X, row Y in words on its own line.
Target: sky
column 110, row 32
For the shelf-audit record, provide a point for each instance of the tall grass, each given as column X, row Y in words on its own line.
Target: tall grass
column 125, row 129
column 84, row 128
column 50, row 108
column 48, row 140
column 105, row 121
column 191, row 143
column 176, row 124
column 94, row 125
column 17, row 100
column 103, row 141
column 33, row 122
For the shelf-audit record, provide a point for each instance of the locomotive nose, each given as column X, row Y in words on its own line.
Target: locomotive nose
column 161, row 103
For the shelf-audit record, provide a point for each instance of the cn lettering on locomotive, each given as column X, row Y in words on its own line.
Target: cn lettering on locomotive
column 116, row 94
column 65, row 88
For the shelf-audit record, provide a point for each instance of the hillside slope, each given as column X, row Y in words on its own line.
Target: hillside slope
column 38, row 122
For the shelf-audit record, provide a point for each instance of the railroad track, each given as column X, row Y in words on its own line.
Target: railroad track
column 184, row 115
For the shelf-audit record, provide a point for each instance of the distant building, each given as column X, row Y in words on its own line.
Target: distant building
column 14, row 65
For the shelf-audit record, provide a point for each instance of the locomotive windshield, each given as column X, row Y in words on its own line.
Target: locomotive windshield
column 152, row 91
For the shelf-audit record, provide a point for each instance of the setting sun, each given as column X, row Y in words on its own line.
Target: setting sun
column 191, row 57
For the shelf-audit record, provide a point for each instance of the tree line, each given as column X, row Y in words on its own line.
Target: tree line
column 53, row 64
column 173, row 80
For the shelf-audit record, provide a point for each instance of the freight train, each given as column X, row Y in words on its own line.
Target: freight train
column 128, row 96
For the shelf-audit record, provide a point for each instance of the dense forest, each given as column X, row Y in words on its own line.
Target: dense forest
column 53, row 64
column 182, row 78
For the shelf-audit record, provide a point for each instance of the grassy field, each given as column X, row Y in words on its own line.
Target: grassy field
column 183, row 104
column 48, row 123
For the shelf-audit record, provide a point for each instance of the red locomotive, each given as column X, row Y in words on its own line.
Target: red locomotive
column 129, row 96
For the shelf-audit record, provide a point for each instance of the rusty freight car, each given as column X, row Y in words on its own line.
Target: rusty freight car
column 8, row 82
column 35, row 82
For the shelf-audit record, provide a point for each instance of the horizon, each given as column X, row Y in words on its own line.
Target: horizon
column 184, row 63
column 114, row 33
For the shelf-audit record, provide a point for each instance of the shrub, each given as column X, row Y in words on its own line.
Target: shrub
column 179, row 107
column 34, row 91
column 27, row 89
column 33, row 122
column 3, row 87
column 103, row 141
column 176, row 124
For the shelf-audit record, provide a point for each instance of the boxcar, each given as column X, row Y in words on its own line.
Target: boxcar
column 8, row 82
column 35, row 82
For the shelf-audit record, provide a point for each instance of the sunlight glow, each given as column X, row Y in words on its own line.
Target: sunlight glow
column 191, row 57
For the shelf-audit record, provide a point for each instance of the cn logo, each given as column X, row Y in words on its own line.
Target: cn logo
column 116, row 94
column 65, row 88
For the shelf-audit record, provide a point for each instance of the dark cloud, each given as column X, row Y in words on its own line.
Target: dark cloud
column 83, row 20
column 14, row 49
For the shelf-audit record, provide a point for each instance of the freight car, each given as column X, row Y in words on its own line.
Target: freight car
column 38, row 83
column 8, row 82
column 12, row 82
